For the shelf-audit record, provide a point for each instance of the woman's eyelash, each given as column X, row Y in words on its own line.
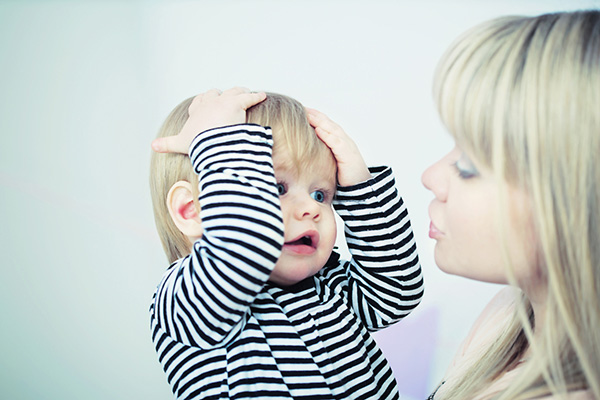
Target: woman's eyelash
column 464, row 173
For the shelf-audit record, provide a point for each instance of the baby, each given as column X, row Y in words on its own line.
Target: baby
column 256, row 304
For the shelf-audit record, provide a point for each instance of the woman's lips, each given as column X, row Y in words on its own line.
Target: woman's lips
column 434, row 233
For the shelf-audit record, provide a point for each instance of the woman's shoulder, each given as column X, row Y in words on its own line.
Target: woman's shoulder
column 494, row 317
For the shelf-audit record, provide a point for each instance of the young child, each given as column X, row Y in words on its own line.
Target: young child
column 255, row 303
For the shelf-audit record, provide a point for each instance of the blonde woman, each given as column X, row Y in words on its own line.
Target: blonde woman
column 517, row 202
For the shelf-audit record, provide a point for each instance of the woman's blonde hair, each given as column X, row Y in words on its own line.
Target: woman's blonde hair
column 522, row 95
column 291, row 131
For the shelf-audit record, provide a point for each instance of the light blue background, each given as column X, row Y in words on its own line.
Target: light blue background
column 84, row 88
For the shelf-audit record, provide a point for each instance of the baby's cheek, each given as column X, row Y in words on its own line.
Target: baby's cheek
column 330, row 234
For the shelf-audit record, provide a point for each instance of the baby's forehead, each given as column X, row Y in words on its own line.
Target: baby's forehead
column 320, row 169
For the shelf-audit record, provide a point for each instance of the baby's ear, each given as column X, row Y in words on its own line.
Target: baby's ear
column 183, row 210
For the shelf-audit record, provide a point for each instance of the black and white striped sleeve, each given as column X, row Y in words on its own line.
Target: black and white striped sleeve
column 384, row 277
column 203, row 297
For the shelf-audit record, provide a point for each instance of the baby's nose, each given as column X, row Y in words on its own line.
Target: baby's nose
column 307, row 207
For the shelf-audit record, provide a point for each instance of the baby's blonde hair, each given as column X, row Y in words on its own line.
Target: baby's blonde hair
column 522, row 95
column 165, row 170
column 291, row 131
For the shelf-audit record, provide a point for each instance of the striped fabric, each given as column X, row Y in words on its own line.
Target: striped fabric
column 222, row 331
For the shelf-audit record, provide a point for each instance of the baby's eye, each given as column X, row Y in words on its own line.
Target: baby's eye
column 318, row 195
column 281, row 188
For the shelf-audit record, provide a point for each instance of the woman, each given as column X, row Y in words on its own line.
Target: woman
column 517, row 201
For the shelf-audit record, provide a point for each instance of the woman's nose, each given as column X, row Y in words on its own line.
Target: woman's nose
column 435, row 178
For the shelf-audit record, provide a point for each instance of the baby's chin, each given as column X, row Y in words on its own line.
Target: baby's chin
column 292, row 275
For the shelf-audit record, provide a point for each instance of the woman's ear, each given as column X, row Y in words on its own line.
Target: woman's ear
column 183, row 210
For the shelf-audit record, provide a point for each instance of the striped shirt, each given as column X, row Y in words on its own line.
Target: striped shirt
column 223, row 331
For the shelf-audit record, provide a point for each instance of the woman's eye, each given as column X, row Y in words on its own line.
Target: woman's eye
column 465, row 168
column 318, row 196
column 465, row 173
column 281, row 189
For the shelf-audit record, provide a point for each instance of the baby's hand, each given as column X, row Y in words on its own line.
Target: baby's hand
column 352, row 168
column 209, row 110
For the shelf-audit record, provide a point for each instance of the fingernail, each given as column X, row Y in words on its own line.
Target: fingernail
column 156, row 145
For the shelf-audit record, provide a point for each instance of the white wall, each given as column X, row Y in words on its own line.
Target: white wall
column 85, row 86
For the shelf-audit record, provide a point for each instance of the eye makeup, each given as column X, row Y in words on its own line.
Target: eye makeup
column 465, row 168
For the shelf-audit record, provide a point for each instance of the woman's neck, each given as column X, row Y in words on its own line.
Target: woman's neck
column 538, row 299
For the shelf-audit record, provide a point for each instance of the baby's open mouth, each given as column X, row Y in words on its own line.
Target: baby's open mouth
column 304, row 243
column 304, row 240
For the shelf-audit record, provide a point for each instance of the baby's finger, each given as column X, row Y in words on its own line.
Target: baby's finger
column 162, row 145
column 196, row 101
column 318, row 119
column 332, row 141
column 322, row 134
column 237, row 90
column 211, row 93
column 202, row 97
column 249, row 99
column 171, row 144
